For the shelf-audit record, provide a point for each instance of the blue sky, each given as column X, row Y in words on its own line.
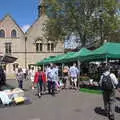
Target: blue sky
column 24, row 12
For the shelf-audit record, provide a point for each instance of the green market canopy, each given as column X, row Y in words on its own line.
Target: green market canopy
column 108, row 50
column 54, row 59
column 83, row 52
column 60, row 58
column 45, row 61
column 64, row 57
column 67, row 57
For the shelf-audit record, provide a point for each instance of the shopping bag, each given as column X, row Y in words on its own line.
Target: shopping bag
column 18, row 92
column 19, row 100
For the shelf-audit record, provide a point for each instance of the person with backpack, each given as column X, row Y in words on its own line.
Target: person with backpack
column 108, row 83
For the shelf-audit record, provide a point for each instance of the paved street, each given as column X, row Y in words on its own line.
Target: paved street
column 67, row 105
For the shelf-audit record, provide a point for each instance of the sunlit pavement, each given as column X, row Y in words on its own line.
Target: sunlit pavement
column 67, row 105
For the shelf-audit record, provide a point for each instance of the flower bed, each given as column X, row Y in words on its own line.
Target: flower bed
column 86, row 82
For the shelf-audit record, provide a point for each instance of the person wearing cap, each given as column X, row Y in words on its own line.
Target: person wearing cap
column 109, row 95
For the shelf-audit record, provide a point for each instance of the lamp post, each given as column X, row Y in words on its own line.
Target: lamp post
column 25, row 53
column 101, row 11
column 101, row 29
column 100, row 23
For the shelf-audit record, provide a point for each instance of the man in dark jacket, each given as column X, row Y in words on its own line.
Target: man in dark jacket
column 2, row 77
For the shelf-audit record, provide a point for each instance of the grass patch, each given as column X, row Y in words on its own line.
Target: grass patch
column 88, row 90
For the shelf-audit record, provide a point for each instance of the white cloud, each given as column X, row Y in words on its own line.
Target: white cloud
column 25, row 27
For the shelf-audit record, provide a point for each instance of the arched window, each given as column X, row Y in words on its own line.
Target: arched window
column 50, row 46
column 13, row 34
column 39, row 46
column 2, row 33
column 15, row 66
column 8, row 48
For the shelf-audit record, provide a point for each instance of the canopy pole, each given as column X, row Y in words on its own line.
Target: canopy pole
column 106, row 60
column 43, row 67
column 62, row 69
column 78, row 62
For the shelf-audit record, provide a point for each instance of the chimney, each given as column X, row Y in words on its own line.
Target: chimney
column 41, row 8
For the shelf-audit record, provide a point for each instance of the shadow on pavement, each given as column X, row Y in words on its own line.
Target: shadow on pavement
column 25, row 90
column 7, row 86
column 15, row 105
column 100, row 111
column 117, row 106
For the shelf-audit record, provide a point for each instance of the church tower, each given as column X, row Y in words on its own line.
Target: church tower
column 41, row 8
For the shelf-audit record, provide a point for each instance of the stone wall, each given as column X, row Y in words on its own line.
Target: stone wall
column 35, row 32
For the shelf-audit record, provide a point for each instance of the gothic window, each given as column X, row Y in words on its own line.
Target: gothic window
column 8, row 49
column 15, row 66
column 39, row 46
column 50, row 46
column 2, row 33
column 13, row 34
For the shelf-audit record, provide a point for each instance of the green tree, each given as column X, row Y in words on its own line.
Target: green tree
column 111, row 21
column 88, row 19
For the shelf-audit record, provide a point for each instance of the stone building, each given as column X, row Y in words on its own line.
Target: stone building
column 29, row 47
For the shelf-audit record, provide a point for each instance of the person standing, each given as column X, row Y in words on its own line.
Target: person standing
column 51, row 79
column 2, row 77
column 24, row 71
column 65, row 76
column 20, row 78
column 56, row 78
column 44, row 81
column 74, row 72
column 31, row 76
column 108, row 83
column 39, row 81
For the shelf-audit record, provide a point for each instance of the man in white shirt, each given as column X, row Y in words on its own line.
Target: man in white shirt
column 74, row 75
column 51, row 77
